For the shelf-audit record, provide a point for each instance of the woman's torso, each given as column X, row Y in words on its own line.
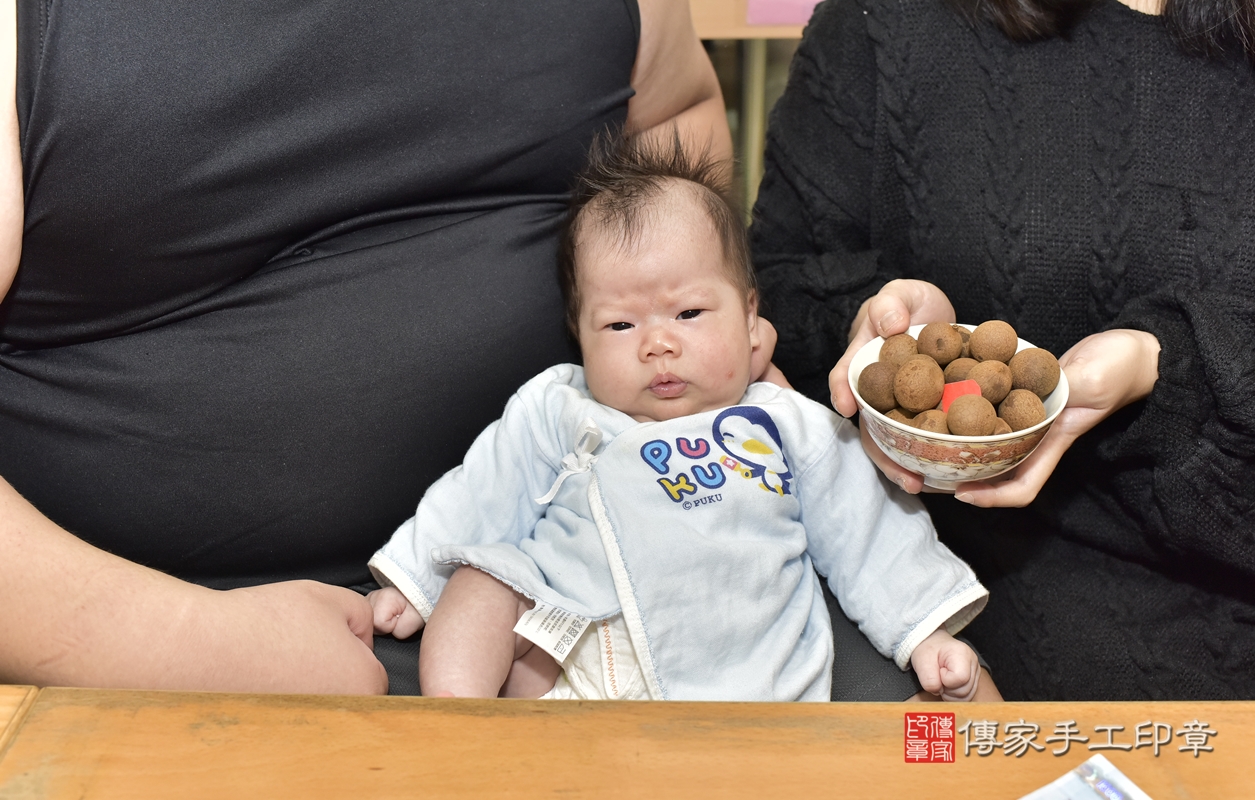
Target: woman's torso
column 281, row 266
column 1098, row 180
column 1056, row 184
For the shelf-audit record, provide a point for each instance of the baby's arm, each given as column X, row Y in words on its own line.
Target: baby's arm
column 946, row 667
column 394, row 614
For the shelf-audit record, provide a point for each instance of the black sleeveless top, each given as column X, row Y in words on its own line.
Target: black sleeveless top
column 282, row 262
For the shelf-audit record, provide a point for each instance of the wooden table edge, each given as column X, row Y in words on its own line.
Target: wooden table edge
column 9, row 732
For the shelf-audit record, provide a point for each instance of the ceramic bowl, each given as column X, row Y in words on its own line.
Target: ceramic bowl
column 946, row 460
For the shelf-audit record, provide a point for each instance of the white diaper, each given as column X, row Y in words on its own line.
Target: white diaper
column 602, row 666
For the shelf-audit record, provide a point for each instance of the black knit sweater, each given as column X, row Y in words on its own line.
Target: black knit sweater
column 1105, row 180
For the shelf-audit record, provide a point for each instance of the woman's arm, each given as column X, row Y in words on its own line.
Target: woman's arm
column 1187, row 453
column 675, row 82
column 73, row 615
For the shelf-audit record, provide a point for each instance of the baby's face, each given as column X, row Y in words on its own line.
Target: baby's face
column 663, row 330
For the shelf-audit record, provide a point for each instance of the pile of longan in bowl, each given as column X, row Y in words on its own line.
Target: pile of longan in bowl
column 957, row 403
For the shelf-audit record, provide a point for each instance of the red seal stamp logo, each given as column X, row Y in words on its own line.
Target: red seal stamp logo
column 929, row 738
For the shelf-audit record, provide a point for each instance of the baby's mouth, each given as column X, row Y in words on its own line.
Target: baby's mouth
column 667, row 385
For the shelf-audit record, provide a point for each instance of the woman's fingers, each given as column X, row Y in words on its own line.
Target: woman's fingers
column 839, row 385
column 890, row 312
column 898, row 305
column 358, row 614
column 1026, row 480
column 919, row 301
column 1105, row 371
column 888, row 305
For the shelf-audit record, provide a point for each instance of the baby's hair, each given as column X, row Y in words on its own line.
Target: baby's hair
column 623, row 177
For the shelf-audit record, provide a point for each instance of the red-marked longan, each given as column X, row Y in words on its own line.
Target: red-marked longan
column 971, row 415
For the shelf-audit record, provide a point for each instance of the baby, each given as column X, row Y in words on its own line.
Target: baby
column 646, row 526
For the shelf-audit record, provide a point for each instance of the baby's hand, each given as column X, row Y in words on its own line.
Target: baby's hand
column 394, row 614
column 946, row 667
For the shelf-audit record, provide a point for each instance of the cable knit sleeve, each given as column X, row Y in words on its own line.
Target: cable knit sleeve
column 1196, row 431
column 811, row 231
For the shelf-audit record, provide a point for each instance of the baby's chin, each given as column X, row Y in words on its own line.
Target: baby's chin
column 664, row 410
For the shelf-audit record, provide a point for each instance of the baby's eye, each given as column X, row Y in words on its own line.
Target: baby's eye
column 690, row 314
column 620, row 326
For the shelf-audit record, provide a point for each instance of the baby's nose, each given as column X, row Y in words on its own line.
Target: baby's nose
column 659, row 341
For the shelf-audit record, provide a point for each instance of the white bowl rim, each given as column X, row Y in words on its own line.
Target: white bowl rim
column 852, row 378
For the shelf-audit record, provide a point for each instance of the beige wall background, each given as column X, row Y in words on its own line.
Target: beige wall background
column 752, row 62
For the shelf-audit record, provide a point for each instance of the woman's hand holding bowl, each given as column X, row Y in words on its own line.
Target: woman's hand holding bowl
column 1105, row 372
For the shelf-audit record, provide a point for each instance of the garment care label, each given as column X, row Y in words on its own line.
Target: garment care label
column 552, row 629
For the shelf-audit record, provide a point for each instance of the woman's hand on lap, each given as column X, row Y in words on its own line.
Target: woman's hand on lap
column 295, row 636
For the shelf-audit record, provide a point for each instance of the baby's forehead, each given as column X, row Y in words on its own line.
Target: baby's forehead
column 648, row 204
column 623, row 223
column 676, row 215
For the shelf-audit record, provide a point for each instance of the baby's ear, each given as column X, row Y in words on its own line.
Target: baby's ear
column 751, row 318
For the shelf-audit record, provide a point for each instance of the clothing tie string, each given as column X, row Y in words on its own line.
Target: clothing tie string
column 580, row 459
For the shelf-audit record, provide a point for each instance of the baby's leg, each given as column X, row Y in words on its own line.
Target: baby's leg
column 470, row 648
column 533, row 673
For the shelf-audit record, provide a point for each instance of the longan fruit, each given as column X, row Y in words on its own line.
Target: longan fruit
column 1022, row 409
column 958, row 369
column 1034, row 369
column 897, row 349
column 875, row 385
column 993, row 341
column 898, row 415
column 932, row 420
column 941, row 341
column 994, row 378
column 965, row 334
column 1000, row 427
column 971, row 415
column 918, row 384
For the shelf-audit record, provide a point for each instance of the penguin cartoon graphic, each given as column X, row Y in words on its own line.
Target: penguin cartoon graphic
column 750, row 436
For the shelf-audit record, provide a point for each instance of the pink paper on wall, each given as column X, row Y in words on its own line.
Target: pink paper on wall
column 779, row 12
